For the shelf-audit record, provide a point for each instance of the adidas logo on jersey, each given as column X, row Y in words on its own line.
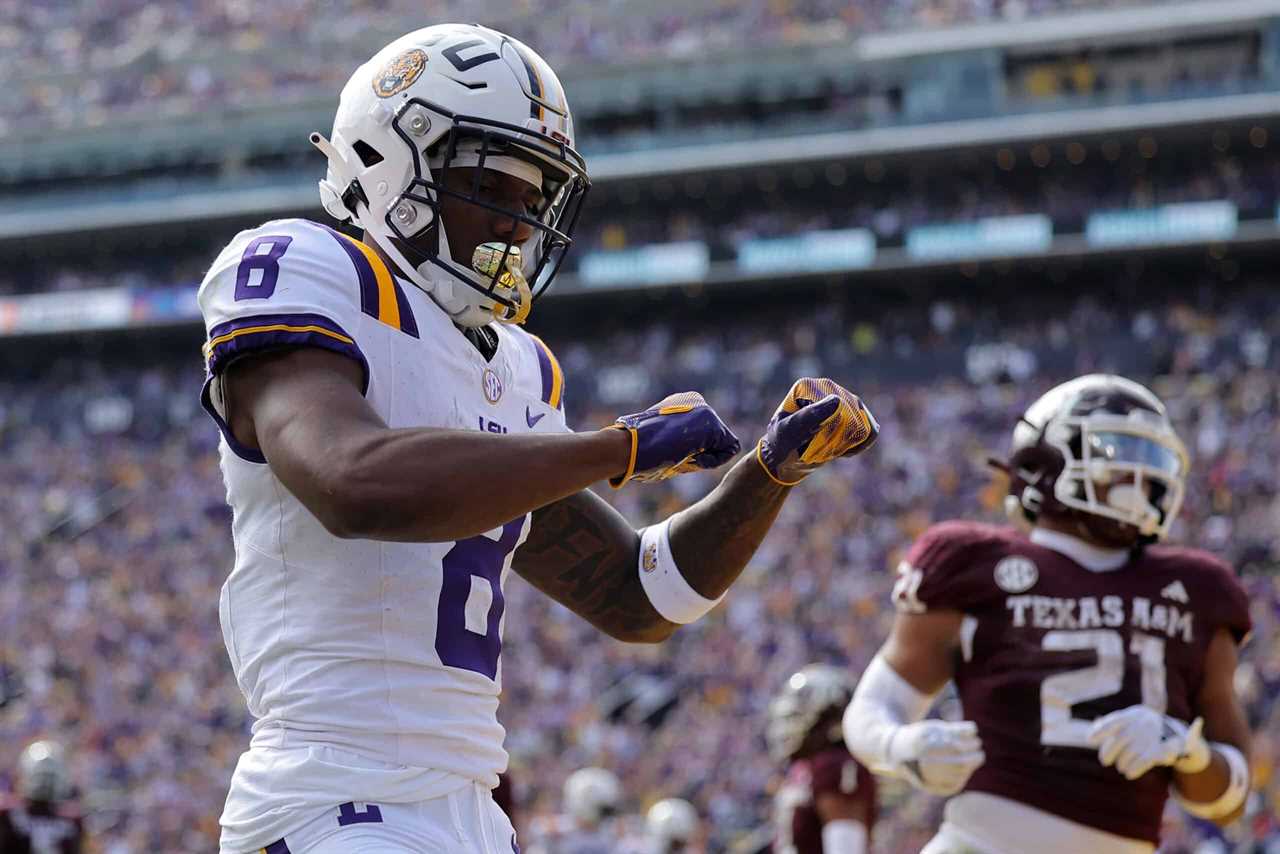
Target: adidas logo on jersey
column 1176, row 592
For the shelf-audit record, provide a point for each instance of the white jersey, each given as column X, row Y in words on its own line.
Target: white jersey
column 371, row 668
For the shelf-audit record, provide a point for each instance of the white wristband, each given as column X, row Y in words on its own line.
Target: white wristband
column 844, row 836
column 668, row 592
column 1231, row 799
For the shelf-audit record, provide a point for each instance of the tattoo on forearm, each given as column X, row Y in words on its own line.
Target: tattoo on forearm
column 583, row 555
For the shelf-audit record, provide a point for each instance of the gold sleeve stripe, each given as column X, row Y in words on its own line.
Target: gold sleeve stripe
column 273, row 327
column 388, row 307
column 552, row 375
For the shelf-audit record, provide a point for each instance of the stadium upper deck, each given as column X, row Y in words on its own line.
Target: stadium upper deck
column 72, row 62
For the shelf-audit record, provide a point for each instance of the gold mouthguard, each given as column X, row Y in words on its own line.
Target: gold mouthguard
column 510, row 285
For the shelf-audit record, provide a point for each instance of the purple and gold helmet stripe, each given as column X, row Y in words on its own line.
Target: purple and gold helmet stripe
column 380, row 294
column 552, row 376
column 535, row 86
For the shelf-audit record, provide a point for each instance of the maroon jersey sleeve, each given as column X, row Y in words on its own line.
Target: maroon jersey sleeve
column 9, row 839
column 74, row 841
column 943, row 569
column 836, row 772
column 1229, row 602
column 831, row 772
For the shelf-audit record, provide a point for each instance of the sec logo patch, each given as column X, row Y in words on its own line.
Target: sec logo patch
column 1016, row 574
column 492, row 385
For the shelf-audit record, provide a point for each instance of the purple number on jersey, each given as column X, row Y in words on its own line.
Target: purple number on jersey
column 268, row 262
column 479, row 558
column 348, row 814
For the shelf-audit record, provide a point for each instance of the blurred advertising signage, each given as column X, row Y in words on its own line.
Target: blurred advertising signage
column 997, row 235
column 1165, row 224
column 683, row 261
column 104, row 308
column 843, row 249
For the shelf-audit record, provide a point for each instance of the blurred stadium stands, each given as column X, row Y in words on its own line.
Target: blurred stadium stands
column 947, row 204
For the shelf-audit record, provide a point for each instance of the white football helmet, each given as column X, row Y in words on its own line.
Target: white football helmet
column 1093, row 431
column 42, row 772
column 456, row 96
column 810, row 693
column 592, row 795
column 670, row 821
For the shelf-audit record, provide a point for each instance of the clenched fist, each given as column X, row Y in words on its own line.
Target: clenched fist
column 817, row 422
column 678, row 434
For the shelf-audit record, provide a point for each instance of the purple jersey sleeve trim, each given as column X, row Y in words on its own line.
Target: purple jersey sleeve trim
column 277, row 847
column 234, row 338
column 244, row 452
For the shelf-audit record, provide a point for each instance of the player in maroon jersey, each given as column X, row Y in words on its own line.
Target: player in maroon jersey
column 40, row 818
column 1094, row 667
column 827, row 804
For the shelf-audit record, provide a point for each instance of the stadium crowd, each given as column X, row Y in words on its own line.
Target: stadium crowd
column 74, row 63
column 1066, row 182
column 116, row 541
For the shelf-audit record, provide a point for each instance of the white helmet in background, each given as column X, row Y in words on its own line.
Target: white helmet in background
column 814, row 692
column 592, row 795
column 670, row 821
column 456, row 96
column 42, row 772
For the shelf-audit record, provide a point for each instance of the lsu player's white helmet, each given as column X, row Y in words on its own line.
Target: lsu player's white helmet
column 592, row 795
column 671, row 821
column 456, row 96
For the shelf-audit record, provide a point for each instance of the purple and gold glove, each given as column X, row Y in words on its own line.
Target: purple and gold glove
column 817, row 422
column 677, row 434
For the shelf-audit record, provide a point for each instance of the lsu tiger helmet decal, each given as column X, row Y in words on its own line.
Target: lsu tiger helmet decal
column 456, row 96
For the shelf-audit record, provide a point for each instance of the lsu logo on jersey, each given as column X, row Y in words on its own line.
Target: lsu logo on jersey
column 399, row 74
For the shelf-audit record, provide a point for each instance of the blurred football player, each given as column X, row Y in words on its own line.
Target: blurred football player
column 394, row 444
column 40, row 817
column 591, row 801
column 672, row 827
column 1094, row 666
column 827, row 803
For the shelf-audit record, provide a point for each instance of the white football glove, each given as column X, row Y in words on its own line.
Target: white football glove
column 1139, row 738
column 936, row 756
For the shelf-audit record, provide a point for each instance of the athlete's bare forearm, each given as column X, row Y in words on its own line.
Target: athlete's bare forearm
column 490, row 479
column 713, row 540
column 1224, row 722
column 584, row 554
column 304, row 410
column 1207, row 785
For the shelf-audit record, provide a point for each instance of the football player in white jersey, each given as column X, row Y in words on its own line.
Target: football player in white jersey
column 394, row 444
